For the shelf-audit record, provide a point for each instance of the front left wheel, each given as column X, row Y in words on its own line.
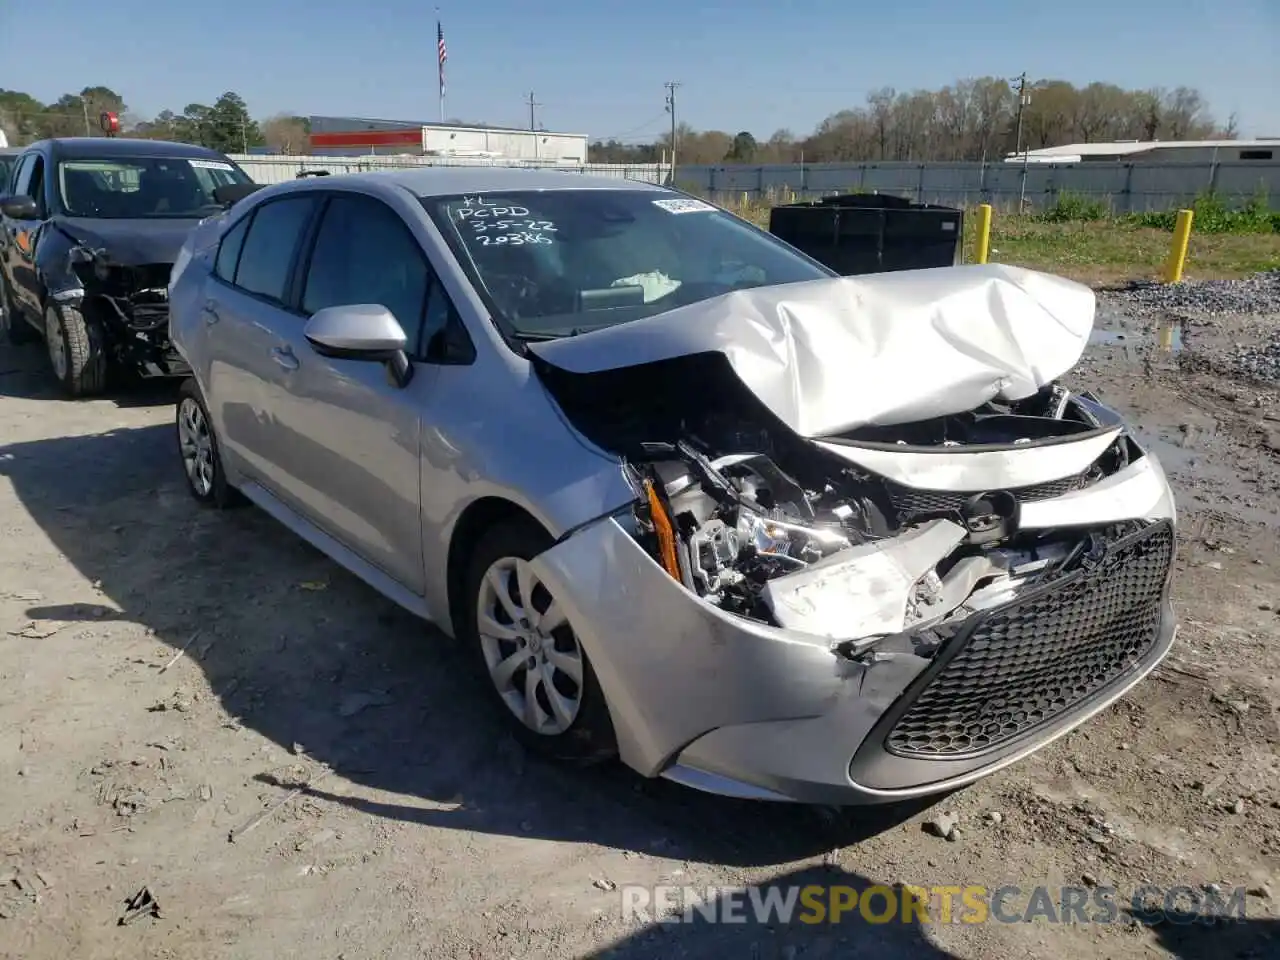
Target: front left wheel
column 198, row 448
column 529, row 651
column 76, row 350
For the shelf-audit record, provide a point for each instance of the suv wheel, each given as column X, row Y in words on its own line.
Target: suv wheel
column 198, row 448
column 16, row 329
column 529, row 653
column 75, row 350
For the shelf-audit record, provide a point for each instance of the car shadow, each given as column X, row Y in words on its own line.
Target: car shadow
column 728, row 926
column 1191, row 936
column 311, row 658
column 25, row 374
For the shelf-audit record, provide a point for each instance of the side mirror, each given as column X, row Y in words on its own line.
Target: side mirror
column 361, row 331
column 228, row 195
column 20, row 207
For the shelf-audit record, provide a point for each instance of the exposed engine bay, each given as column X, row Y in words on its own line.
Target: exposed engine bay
column 794, row 533
column 130, row 302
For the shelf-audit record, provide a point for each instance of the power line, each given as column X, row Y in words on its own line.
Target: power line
column 634, row 130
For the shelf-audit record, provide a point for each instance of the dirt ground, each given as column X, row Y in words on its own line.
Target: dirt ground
column 169, row 675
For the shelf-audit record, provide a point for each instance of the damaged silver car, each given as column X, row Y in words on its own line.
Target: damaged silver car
column 691, row 499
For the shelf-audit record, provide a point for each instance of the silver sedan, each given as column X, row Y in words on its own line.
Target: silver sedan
column 693, row 500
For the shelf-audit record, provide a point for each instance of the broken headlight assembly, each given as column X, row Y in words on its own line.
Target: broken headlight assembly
column 726, row 527
column 88, row 263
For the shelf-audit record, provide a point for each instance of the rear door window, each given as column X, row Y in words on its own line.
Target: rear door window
column 229, row 251
column 267, row 255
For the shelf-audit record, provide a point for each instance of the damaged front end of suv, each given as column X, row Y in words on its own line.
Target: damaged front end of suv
column 128, row 301
column 877, row 549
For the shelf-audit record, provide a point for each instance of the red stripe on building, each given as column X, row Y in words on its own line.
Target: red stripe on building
column 369, row 138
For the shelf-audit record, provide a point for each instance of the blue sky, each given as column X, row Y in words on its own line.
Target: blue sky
column 598, row 67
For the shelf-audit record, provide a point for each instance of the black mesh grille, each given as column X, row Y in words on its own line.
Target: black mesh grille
column 1015, row 667
column 913, row 502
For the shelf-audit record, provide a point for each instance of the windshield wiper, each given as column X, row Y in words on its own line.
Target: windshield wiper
column 540, row 336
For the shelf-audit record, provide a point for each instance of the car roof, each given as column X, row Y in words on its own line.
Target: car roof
column 122, row 147
column 445, row 181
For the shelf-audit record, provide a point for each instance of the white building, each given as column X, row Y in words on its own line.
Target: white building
column 1155, row 151
column 359, row 136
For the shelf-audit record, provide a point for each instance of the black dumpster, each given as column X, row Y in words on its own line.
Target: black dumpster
column 871, row 233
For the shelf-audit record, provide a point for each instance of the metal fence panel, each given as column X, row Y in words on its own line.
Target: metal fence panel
column 1125, row 187
column 277, row 168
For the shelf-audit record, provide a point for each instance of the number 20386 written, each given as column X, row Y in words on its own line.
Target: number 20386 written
column 513, row 238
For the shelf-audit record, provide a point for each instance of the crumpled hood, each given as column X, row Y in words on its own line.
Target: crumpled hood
column 131, row 243
column 829, row 356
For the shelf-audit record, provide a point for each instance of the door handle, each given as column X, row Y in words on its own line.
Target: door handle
column 210, row 315
column 284, row 357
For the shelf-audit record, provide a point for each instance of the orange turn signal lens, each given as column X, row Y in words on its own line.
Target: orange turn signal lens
column 665, row 531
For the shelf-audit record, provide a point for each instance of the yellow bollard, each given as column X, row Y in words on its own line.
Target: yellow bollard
column 984, row 232
column 1178, row 252
column 744, row 198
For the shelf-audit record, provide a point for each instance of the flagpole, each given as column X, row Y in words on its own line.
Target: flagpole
column 440, row 58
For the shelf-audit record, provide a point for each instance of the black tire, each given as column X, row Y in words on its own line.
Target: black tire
column 217, row 494
column 16, row 329
column 84, row 369
column 590, row 737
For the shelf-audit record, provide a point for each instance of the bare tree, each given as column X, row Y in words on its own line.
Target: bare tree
column 287, row 133
column 972, row 119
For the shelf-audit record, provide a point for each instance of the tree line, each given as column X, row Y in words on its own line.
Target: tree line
column 972, row 120
column 224, row 125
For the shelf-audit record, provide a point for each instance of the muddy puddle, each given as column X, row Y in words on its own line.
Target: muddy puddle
column 1167, row 338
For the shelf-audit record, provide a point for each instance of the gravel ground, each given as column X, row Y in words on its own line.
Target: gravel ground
column 1255, row 295
column 200, row 706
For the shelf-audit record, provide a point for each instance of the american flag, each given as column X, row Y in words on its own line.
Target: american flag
column 441, row 51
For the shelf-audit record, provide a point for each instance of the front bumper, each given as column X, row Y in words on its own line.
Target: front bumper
column 739, row 708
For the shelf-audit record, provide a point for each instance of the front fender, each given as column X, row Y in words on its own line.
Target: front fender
column 55, row 272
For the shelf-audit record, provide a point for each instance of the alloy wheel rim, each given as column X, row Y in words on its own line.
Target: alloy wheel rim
column 196, row 445
column 56, row 343
column 533, row 655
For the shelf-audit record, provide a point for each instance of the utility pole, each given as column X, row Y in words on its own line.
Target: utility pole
column 84, row 107
column 1023, row 101
column 244, row 135
column 531, row 103
column 671, row 86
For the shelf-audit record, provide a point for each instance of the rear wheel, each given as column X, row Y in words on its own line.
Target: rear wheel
column 529, row 652
column 198, row 448
column 16, row 329
column 76, row 350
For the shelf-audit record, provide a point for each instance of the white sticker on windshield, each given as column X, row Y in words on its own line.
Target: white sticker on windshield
column 683, row 206
column 211, row 165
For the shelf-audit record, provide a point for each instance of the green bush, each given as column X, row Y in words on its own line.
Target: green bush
column 1073, row 207
column 1213, row 216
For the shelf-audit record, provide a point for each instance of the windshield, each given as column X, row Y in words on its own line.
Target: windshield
column 7, row 163
column 553, row 263
column 143, row 187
